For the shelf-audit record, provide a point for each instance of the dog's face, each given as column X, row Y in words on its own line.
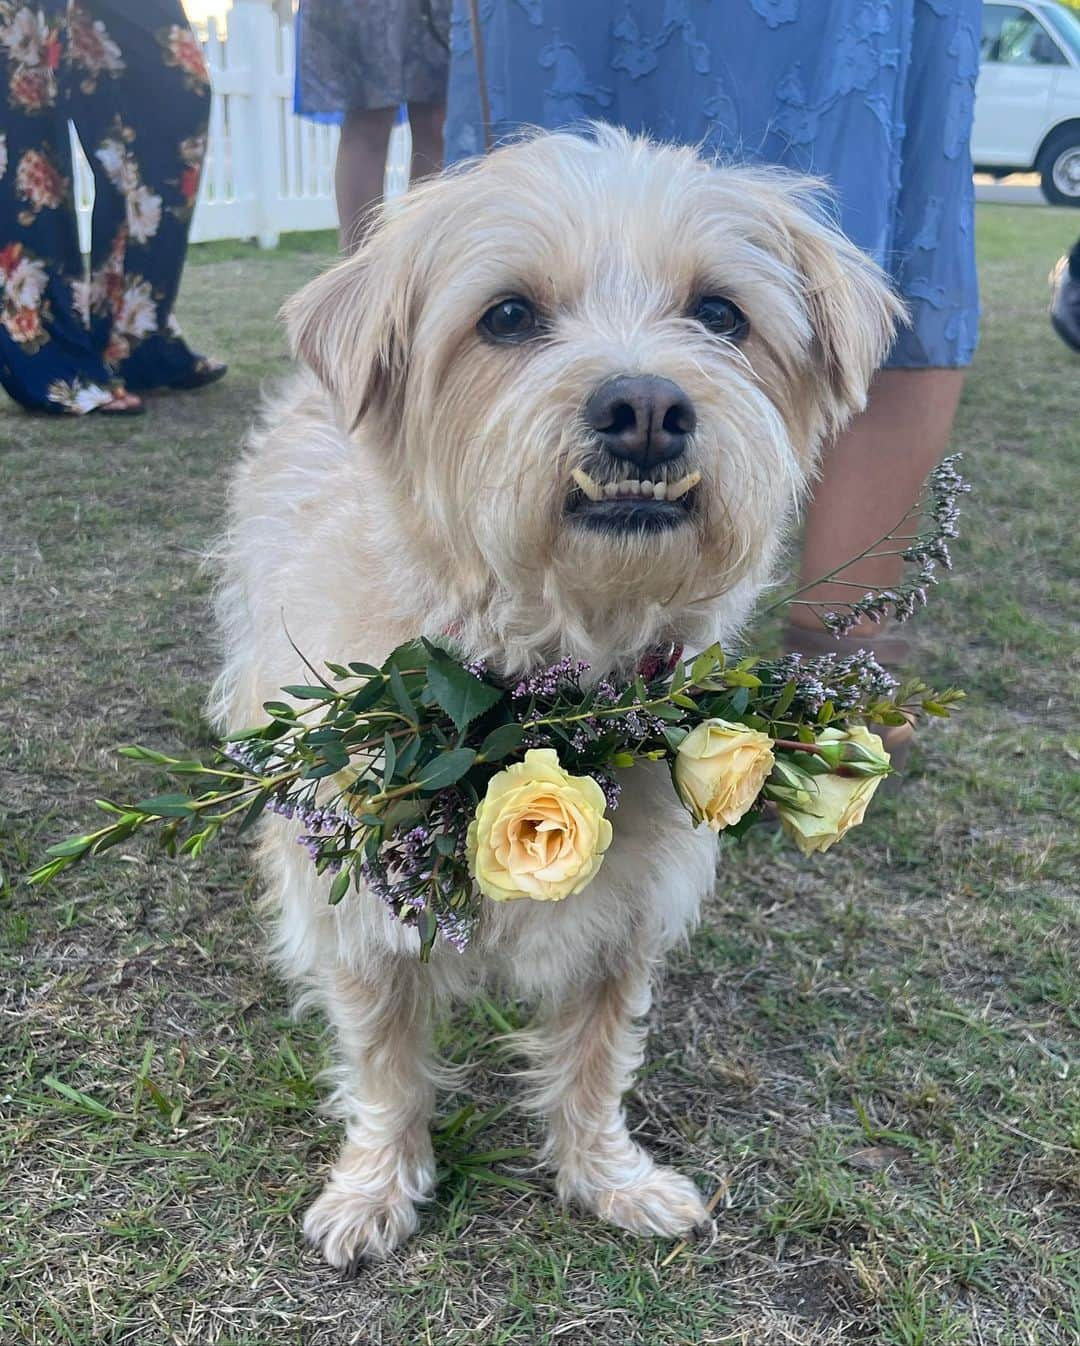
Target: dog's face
column 597, row 369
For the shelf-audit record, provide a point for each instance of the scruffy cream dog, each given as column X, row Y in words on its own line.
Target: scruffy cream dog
column 562, row 402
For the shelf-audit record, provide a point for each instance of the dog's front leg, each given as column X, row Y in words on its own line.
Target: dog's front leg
column 386, row 1095
column 586, row 1047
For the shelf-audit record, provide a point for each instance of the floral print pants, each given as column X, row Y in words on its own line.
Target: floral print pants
column 132, row 79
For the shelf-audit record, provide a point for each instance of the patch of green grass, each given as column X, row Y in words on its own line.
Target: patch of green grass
column 871, row 1055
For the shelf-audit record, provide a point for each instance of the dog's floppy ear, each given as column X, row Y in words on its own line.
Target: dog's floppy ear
column 854, row 315
column 350, row 325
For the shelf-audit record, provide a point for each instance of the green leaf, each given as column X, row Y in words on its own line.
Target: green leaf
column 73, row 846
column 48, row 871
column 166, row 806
column 198, row 841
column 368, row 695
column 401, row 693
column 425, row 923
column 333, row 754
column 280, row 710
column 389, row 760
column 363, row 670
column 118, row 834
column 737, row 678
column 460, row 694
column 320, row 770
column 253, row 811
column 501, row 742
column 739, row 701
column 810, row 762
column 406, row 758
column 400, row 812
column 894, row 717
column 784, row 699
column 680, row 700
column 623, row 759
column 412, row 654
column 304, row 693
column 139, row 754
column 107, row 806
column 339, row 887
column 446, row 768
column 706, row 661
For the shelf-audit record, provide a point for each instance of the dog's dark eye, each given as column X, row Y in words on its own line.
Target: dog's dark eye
column 722, row 318
column 511, row 319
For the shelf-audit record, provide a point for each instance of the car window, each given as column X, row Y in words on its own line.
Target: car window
column 1066, row 25
column 1014, row 36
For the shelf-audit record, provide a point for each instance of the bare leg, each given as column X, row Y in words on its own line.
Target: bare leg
column 871, row 475
column 386, row 1096
column 426, row 124
column 360, row 169
column 585, row 1049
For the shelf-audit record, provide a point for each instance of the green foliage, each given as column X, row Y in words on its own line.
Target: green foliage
column 386, row 776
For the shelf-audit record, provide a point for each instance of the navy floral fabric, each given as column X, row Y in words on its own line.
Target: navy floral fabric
column 133, row 81
column 875, row 96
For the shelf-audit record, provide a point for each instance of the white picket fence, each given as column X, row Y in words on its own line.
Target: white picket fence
column 267, row 171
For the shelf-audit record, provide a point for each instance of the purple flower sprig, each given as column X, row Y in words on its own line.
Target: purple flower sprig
column 924, row 551
column 849, row 682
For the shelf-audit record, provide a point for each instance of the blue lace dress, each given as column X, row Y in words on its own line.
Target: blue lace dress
column 876, row 96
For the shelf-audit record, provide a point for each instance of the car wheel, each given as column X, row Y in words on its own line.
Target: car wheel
column 1059, row 167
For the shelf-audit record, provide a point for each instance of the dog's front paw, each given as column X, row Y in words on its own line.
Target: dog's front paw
column 351, row 1223
column 656, row 1201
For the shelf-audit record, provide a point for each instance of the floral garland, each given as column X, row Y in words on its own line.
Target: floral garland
column 435, row 784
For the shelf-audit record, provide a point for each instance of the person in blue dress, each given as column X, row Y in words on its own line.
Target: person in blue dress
column 874, row 96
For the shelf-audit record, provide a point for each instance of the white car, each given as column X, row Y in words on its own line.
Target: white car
column 1027, row 102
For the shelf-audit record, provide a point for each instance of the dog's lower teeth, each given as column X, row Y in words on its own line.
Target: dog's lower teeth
column 659, row 490
column 647, row 489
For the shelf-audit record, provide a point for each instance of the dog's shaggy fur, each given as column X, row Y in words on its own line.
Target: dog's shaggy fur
column 416, row 479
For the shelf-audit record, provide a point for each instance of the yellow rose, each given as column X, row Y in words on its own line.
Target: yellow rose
column 840, row 801
column 538, row 832
column 720, row 769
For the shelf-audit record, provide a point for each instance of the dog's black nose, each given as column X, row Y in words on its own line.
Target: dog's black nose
column 641, row 417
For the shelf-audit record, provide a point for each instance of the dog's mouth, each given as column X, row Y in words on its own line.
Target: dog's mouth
column 632, row 504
